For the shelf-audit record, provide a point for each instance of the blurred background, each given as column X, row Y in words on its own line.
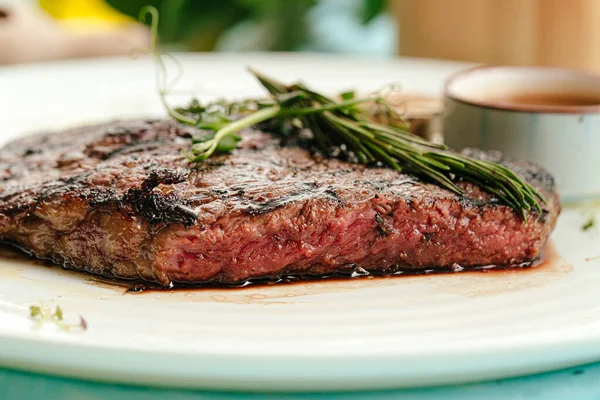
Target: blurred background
column 530, row 32
column 35, row 30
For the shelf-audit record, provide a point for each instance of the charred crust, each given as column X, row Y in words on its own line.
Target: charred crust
column 19, row 208
column 380, row 223
column 154, row 207
column 31, row 151
column 332, row 194
column 63, row 186
column 157, row 208
column 162, row 176
column 218, row 192
column 542, row 217
column 467, row 202
column 97, row 197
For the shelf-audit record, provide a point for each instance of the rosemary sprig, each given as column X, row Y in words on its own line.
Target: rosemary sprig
column 334, row 123
column 42, row 314
column 343, row 124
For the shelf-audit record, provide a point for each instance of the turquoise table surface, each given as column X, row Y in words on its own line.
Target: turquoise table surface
column 581, row 383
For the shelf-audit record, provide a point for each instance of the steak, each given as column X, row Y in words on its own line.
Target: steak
column 120, row 200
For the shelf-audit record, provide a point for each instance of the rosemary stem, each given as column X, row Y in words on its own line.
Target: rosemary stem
column 173, row 113
column 246, row 122
column 161, row 71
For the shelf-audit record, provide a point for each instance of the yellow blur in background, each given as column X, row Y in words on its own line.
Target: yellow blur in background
column 85, row 15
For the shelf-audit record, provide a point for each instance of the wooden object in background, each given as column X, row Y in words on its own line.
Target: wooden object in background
column 524, row 32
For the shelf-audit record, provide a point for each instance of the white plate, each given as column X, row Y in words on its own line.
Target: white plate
column 352, row 334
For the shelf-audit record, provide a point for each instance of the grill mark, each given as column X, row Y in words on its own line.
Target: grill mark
column 261, row 208
column 135, row 147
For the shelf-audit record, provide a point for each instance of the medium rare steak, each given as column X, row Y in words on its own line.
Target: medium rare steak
column 120, row 200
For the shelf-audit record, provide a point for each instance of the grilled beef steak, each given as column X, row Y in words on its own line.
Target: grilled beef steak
column 121, row 201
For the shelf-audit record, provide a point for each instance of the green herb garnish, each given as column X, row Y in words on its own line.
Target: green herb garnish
column 345, row 124
column 42, row 314
column 589, row 224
